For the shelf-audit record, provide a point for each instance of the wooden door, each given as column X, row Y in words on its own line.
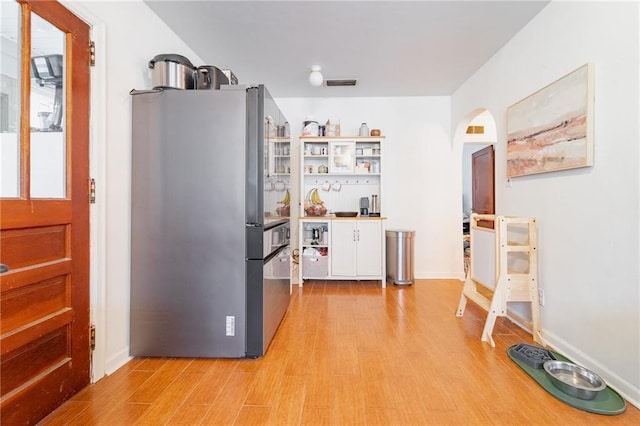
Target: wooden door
column 483, row 183
column 44, row 241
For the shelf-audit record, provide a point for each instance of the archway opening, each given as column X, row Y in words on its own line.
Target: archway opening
column 477, row 135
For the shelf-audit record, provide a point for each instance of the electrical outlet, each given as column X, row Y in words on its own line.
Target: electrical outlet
column 230, row 326
column 541, row 297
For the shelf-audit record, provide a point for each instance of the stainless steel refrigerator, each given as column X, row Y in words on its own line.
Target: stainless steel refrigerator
column 210, row 271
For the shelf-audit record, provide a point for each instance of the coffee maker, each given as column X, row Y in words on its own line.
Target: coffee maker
column 364, row 206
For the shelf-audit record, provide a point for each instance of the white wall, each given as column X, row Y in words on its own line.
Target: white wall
column 418, row 184
column 128, row 34
column 587, row 218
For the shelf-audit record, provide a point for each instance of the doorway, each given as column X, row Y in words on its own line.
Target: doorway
column 478, row 173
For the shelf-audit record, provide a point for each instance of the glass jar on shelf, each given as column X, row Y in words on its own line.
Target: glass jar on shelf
column 308, row 233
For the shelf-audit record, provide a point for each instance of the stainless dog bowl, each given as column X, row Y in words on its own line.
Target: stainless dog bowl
column 573, row 379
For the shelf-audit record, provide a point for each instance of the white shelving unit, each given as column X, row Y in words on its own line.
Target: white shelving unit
column 342, row 170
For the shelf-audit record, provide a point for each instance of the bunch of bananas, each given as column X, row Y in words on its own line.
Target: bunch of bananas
column 313, row 204
column 287, row 199
column 314, row 197
column 285, row 210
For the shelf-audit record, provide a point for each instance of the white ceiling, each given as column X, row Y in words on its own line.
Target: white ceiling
column 393, row 48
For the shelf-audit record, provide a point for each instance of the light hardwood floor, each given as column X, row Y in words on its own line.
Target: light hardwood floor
column 347, row 353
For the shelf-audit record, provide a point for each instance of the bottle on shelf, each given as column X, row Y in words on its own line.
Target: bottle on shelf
column 364, row 130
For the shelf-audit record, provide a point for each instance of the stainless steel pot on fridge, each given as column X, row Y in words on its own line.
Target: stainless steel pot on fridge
column 209, row 77
column 172, row 71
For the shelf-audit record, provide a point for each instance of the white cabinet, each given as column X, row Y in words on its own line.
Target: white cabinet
column 356, row 248
column 343, row 237
column 336, row 174
column 341, row 249
column 342, row 171
column 369, row 253
column 342, row 157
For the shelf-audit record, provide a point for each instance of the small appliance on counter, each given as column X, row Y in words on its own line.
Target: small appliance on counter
column 364, row 206
column 230, row 76
column 375, row 206
column 171, row 71
column 209, row 77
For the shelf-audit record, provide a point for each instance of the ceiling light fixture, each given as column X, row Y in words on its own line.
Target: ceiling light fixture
column 316, row 78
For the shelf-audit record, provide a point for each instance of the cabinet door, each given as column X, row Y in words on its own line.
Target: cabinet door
column 342, row 157
column 369, row 248
column 343, row 248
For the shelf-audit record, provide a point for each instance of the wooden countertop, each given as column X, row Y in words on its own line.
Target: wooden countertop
column 334, row 217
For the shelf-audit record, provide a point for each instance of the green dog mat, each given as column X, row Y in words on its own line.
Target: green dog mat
column 606, row 402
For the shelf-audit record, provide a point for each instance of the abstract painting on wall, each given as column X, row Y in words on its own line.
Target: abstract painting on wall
column 553, row 128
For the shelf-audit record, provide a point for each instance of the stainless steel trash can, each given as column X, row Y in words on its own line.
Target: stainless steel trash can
column 400, row 256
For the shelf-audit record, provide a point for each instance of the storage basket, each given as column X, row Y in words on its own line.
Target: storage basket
column 282, row 266
column 315, row 266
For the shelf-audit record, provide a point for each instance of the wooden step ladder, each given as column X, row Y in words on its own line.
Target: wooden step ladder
column 516, row 268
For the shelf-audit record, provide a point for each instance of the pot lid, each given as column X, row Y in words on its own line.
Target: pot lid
column 171, row 57
column 209, row 68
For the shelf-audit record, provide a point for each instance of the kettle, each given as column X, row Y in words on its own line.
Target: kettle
column 375, row 207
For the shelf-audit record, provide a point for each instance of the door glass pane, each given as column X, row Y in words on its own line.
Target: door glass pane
column 10, row 99
column 47, row 110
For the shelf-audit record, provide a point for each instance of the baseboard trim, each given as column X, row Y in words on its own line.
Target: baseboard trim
column 627, row 390
column 118, row 360
column 440, row 276
column 614, row 381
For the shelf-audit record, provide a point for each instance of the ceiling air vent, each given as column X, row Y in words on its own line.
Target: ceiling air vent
column 338, row 83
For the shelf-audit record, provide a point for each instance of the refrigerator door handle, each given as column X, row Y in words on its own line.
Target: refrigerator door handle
column 271, row 225
column 275, row 253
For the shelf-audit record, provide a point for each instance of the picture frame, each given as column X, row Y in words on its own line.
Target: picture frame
column 552, row 129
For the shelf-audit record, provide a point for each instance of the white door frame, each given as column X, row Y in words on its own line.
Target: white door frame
column 97, row 171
